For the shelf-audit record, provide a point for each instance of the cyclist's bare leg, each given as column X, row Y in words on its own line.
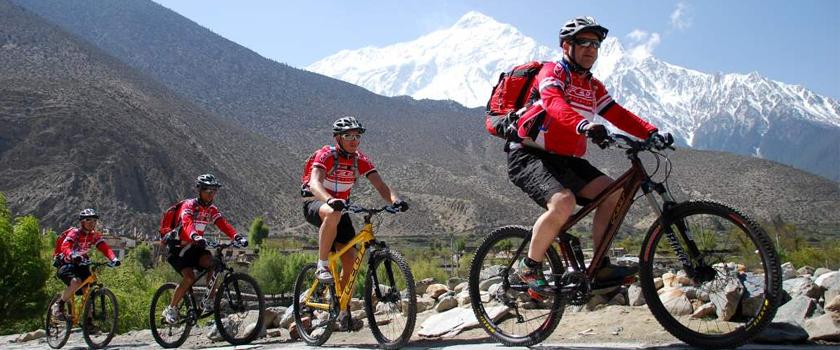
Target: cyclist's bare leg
column 75, row 284
column 205, row 262
column 604, row 210
column 347, row 261
column 560, row 207
column 327, row 231
column 188, row 278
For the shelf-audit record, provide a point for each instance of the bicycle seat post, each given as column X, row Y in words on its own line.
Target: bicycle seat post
column 572, row 250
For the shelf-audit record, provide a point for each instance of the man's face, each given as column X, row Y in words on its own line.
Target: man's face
column 585, row 56
column 207, row 194
column 349, row 141
column 88, row 224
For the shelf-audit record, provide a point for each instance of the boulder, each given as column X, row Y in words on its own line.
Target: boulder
column 832, row 293
column 669, row 280
column 823, row 328
column 727, row 299
column 287, row 319
column 420, row 286
column 272, row 316
column 357, row 304
column 250, row 328
column 829, row 280
column 683, row 279
column 495, row 289
column 802, row 286
column 805, row 270
column 618, row 299
column 463, row 298
column 424, row 304
column 795, row 311
column 461, row 287
column 635, row 296
column 753, row 297
column 436, row 290
column 696, row 293
column 452, row 282
column 788, row 271
column 675, row 301
column 833, row 308
column 595, row 301
column 492, row 271
column 782, row 333
column 36, row 334
column 446, row 303
column 821, row 271
column 452, row 322
column 486, row 283
column 704, row 310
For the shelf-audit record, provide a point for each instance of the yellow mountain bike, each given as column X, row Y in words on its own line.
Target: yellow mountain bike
column 98, row 313
column 389, row 291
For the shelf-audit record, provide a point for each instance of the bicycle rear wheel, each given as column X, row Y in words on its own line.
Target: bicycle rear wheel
column 100, row 317
column 239, row 308
column 170, row 335
column 315, row 307
column 390, row 299
column 58, row 330
column 729, row 293
column 500, row 300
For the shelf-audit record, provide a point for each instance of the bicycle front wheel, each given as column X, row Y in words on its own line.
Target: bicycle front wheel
column 315, row 307
column 99, row 322
column 170, row 335
column 723, row 296
column 57, row 328
column 240, row 306
column 500, row 299
column 390, row 299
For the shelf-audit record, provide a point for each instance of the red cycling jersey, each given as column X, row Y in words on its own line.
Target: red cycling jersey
column 338, row 183
column 569, row 109
column 195, row 218
column 78, row 242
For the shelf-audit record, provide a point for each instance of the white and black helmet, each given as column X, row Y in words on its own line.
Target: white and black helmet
column 88, row 213
column 582, row 24
column 347, row 123
column 207, row 180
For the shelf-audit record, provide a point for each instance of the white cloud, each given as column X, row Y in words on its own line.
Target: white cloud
column 681, row 17
column 642, row 43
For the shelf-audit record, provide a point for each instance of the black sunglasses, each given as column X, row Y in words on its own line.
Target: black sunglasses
column 587, row 43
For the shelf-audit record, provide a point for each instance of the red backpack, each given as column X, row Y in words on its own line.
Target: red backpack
column 307, row 170
column 59, row 241
column 170, row 220
column 509, row 95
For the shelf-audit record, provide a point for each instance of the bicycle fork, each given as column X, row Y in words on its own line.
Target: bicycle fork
column 689, row 256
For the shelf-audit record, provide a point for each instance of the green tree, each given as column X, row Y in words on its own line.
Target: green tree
column 276, row 272
column 142, row 253
column 258, row 231
column 25, row 271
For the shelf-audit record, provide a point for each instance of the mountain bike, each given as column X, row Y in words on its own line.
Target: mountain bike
column 238, row 306
column 389, row 291
column 721, row 256
column 98, row 314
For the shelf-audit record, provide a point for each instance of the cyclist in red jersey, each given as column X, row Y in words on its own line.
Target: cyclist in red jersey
column 74, row 250
column 191, row 253
column 329, row 188
column 546, row 163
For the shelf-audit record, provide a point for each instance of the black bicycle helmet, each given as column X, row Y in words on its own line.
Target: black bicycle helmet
column 347, row 123
column 582, row 24
column 88, row 213
column 207, row 180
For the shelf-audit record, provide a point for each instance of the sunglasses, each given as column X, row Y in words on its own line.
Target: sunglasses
column 351, row 137
column 89, row 220
column 587, row 43
column 209, row 190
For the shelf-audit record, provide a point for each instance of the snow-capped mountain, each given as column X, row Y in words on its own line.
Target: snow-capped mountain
column 741, row 113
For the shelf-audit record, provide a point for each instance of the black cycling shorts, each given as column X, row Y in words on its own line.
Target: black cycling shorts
column 68, row 272
column 345, row 231
column 189, row 258
column 541, row 174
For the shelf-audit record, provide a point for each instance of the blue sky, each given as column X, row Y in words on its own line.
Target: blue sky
column 796, row 42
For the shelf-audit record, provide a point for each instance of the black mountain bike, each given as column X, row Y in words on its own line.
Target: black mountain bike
column 238, row 307
column 726, row 281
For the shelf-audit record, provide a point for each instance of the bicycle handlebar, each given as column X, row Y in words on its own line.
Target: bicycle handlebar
column 354, row 208
column 633, row 146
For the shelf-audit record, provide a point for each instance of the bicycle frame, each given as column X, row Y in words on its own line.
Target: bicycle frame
column 86, row 287
column 217, row 268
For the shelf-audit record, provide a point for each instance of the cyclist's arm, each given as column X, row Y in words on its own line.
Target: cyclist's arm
column 224, row 226
column 618, row 115
column 316, row 184
column 106, row 250
column 187, row 223
column 380, row 186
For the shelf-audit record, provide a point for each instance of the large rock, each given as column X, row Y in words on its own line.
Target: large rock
column 486, row 283
column 795, row 311
column 727, row 299
column 833, row 308
column 753, row 298
column 492, row 271
column 657, row 282
column 424, row 304
column 595, row 301
column 782, row 333
column 436, row 290
column 452, row 322
column 788, row 271
column 446, row 303
column 635, row 296
column 272, row 316
column 463, row 298
column 823, row 328
column 357, row 304
column 805, row 271
column 802, row 286
column 618, row 299
column 452, row 282
column 421, row 285
column 670, row 280
column 821, row 271
column 37, row 334
column 287, row 319
column 829, row 280
column 463, row 286
column 250, row 328
column 676, row 302
column 788, row 324
column 704, row 310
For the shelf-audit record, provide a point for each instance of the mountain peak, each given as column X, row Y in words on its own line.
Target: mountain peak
column 474, row 19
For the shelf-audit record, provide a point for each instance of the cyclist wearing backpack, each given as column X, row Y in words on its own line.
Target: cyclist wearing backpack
column 328, row 178
column 190, row 251
column 544, row 161
column 72, row 250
